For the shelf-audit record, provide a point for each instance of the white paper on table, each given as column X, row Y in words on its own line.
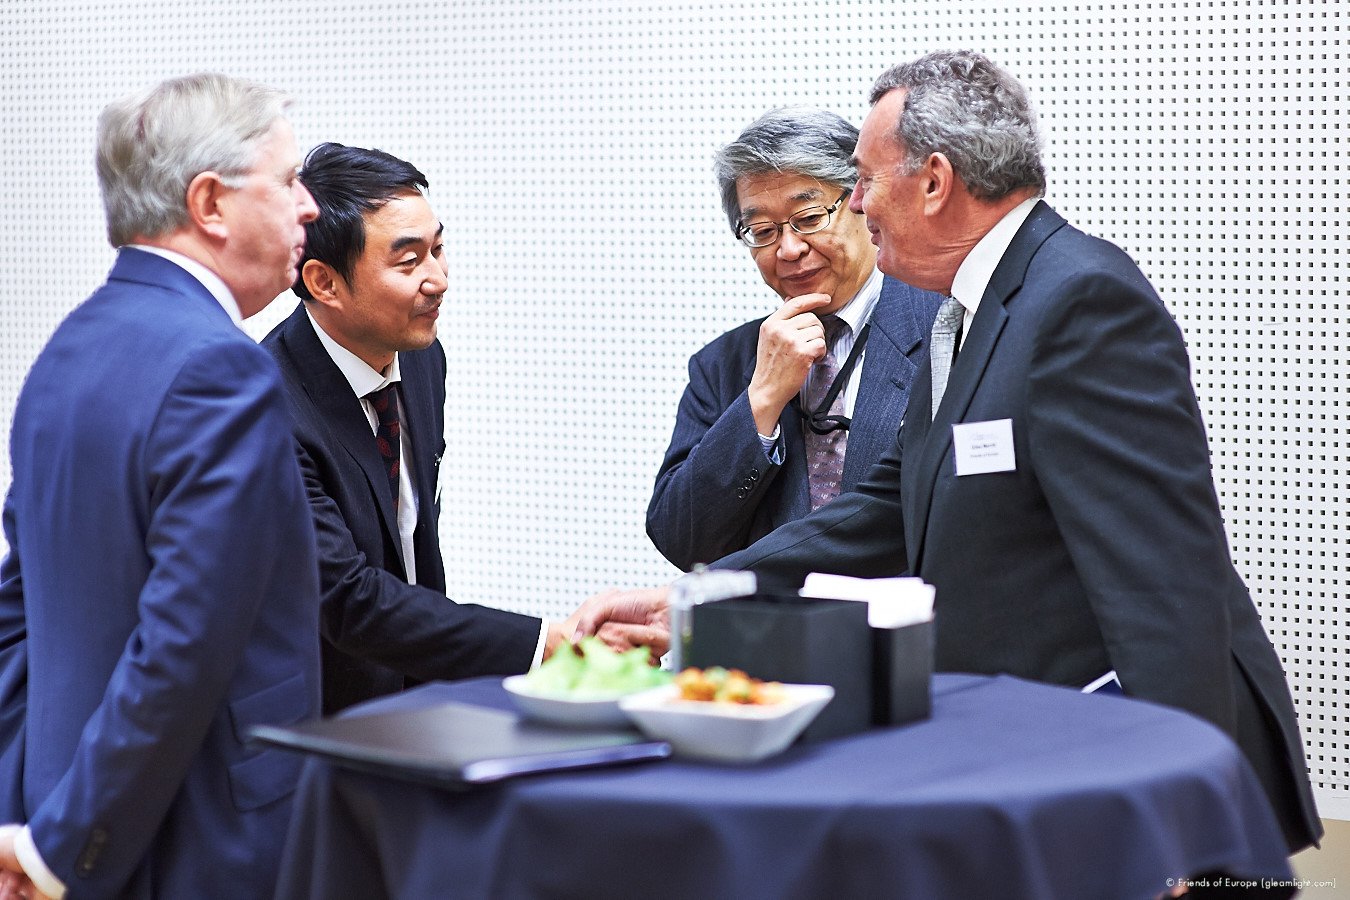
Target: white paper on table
column 891, row 602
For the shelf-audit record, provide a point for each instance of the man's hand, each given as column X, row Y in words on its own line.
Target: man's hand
column 14, row 883
column 558, row 634
column 790, row 342
column 626, row 619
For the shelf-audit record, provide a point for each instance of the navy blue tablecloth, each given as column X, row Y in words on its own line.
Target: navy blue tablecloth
column 1011, row 790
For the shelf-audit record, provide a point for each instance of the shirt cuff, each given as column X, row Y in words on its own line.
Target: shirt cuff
column 35, row 868
column 539, row 647
column 773, row 446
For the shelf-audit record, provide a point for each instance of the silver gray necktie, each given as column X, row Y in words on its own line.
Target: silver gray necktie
column 942, row 346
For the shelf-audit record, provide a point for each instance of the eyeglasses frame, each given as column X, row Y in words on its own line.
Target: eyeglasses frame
column 743, row 230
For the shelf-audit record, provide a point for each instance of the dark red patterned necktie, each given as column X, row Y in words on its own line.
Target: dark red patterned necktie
column 385, row 402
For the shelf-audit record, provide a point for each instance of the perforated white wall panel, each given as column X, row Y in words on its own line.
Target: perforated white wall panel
column 569, row 146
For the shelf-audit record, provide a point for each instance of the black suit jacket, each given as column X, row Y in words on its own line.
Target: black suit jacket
column 1104, row 546
column 377, row 628
column 716, row 492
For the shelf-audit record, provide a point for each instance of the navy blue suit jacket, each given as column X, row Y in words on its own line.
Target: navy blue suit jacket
column 716, row 492
column 1104, row 546
column 160, row 597
column 377, row 628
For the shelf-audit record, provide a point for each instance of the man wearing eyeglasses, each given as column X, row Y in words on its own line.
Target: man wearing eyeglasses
column 784, row 413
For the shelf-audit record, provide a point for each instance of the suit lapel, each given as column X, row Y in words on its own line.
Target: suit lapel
column 424, row 432
column 791, row 422
column 928, row 438
column 419, row 417
column 887, row 372
column 332, row 394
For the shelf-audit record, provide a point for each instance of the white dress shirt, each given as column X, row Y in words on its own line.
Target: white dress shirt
column 972, row 278
column 363, row 380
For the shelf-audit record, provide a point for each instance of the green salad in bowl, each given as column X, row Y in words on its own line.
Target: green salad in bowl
column 582, row 684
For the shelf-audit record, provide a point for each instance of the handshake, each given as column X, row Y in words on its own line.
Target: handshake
column 623, row 619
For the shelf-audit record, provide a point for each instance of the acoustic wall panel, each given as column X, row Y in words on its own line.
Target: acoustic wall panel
column 569, row 146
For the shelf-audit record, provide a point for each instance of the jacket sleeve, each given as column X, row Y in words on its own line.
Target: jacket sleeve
column 1121, row 455
column 13, row 677
column 225, row 515
column 715, row 473
column 374, row 614
column 861, row 534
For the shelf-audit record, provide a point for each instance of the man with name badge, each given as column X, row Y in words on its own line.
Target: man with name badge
column 1052, row 479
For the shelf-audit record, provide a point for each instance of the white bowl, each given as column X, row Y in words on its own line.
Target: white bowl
column 585, row 711
column 726, row 732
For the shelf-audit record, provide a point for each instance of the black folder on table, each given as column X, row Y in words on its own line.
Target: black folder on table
column 458, row 744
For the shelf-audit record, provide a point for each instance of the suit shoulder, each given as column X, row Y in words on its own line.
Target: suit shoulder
column 899, row 295
column 1073, row 241
column 431, row 357
column 1070, row 254
column 233, row 350
column 157, row 327
column 426, row 366
column 278, row 338
column 736, row 346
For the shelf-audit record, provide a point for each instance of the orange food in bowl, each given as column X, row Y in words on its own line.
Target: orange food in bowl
column 718, row 685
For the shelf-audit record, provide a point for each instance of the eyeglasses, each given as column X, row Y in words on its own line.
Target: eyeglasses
column 806, row 221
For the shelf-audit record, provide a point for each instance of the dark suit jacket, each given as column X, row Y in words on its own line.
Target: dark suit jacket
column 377, row 628
column 1105, row 547
column 716, row 492
column 159, row 598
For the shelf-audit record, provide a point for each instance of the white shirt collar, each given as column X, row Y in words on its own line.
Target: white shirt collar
column 972, row 278
column 209, row 280
column 858, row 311
column 362, row 378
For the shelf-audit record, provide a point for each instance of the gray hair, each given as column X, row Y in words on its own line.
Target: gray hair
column 812, row 142
column 960, row 104
column 152, row 144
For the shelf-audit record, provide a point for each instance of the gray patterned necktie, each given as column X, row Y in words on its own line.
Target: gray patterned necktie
column 942, row 346
column 825, row 452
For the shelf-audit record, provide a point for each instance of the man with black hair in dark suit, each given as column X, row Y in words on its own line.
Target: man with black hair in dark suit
column 365, row 376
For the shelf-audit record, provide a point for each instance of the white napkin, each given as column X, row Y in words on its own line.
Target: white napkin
column 891, row 602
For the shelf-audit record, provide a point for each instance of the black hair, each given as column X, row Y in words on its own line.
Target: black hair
column 347, row 183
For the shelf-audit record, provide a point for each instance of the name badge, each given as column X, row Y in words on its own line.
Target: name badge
column 984, row 447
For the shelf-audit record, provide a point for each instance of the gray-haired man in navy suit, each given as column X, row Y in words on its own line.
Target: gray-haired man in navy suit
column 160, row 594
column 775, row 421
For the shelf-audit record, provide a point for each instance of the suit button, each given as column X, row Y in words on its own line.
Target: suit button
column 742, row 492
column 753, row 476
column 84, row 864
